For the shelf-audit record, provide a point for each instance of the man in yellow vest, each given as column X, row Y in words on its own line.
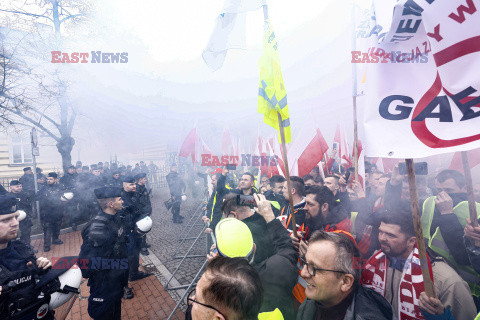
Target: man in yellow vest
column 443, row 220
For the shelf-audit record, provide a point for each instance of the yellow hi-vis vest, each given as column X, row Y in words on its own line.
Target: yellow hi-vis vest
column 478, row 317
column 272, row 315
column 437, row 243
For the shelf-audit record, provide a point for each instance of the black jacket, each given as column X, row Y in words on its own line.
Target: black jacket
column 68, row 181
column 13, row 267
column 366, row 305
column 144, row 200
column 279, row 273
column 103, row 256
column 51, row 207
column 132, row 209
column 176, row 184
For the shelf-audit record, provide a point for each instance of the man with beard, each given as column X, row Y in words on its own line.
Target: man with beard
column 444, row 218
column 177, row 188
column 51, row 211
column 395, row 273
column 321, row 214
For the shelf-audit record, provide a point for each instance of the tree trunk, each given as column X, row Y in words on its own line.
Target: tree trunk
column 65, row 146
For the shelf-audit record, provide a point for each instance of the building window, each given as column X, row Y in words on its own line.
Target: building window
column 20, row 150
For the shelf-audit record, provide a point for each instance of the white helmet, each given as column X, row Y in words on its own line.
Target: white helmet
column 72, row 278
column 184, row 198
column 144, row 225
column 67, row 196
column 21, row 215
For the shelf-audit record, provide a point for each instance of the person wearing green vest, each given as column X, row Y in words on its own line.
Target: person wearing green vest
column 213, row 209
column 472, row 243
column 443, row 220
column 229, row 289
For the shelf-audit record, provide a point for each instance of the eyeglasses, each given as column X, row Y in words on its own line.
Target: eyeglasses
column 312, row 270
column 190, row 301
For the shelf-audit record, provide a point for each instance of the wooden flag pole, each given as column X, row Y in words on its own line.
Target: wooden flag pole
column 355, row 137
column 422, row 252
column 287, row 174
column 471, row 199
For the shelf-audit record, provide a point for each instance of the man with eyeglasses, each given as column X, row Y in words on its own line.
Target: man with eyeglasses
column 230, row 289
column 332, row 270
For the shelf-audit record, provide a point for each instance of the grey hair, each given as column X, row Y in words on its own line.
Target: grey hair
column 348, row 257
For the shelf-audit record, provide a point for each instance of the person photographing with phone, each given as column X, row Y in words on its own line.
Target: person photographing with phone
column 278, row 272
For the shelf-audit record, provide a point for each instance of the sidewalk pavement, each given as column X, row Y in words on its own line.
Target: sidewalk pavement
column 151, row 300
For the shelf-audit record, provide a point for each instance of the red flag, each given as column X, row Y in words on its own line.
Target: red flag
column 312, row 154
column 189, row 145
column 473, row 160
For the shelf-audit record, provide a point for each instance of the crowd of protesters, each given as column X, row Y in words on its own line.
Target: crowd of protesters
column 347, row 251
column 353, row 255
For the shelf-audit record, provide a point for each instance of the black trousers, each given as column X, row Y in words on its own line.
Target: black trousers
column 134, row 246
column 25, row 230
column 51, row 231
column 176, row 210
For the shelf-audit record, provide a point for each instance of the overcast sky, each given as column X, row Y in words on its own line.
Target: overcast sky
column 166, row 88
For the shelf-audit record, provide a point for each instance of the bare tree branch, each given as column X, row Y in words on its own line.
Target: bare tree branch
column 28, row 14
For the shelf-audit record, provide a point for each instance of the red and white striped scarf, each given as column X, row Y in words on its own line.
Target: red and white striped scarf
column 374, row 276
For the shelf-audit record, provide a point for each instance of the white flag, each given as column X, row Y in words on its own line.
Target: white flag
column 422, row 94
column 229, row 31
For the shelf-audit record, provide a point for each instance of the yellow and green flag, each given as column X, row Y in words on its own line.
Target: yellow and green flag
column 272, row 96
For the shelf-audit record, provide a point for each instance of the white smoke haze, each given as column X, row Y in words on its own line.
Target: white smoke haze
column 166, row 88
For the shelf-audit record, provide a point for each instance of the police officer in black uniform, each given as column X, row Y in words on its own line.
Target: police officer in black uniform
column 132, row 211
column 145, row 204
column 115, row 180
column 177, row 188
column 24, row 203
column 51, row 211
column 104, row 248
column 17, row 263
column 68, row 183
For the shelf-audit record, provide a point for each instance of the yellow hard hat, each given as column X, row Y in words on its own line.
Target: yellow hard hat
column 234, row 238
